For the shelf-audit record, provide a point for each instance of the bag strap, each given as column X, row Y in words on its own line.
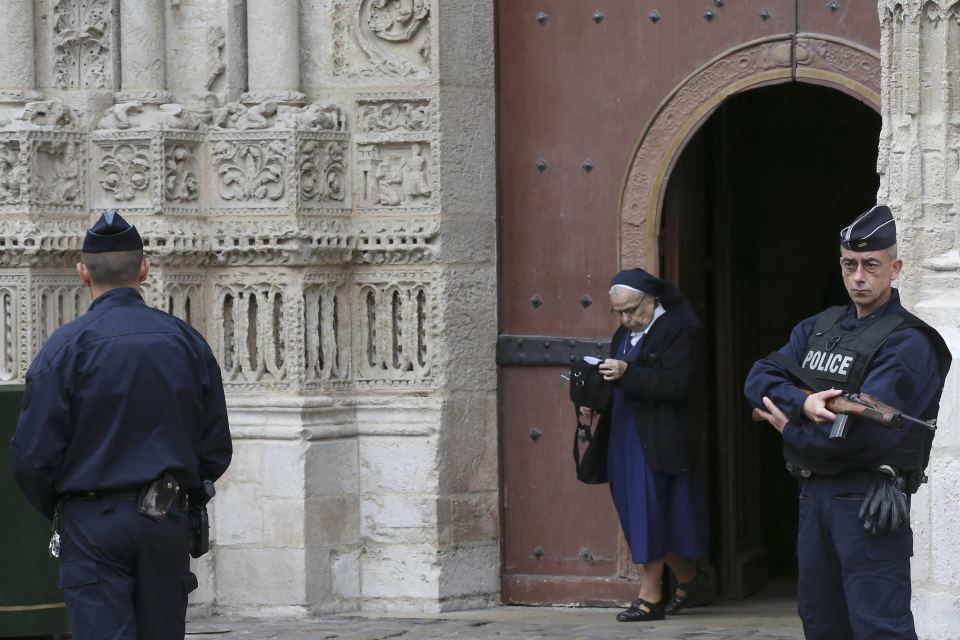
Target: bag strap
column 588, row 437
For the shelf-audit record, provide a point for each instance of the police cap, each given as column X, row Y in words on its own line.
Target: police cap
column 111, row 233
column 873, row 230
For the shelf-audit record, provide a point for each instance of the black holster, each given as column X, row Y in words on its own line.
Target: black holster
column 199, row 520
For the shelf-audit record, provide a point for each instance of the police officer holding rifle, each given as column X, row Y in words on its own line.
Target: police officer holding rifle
column 854, row 541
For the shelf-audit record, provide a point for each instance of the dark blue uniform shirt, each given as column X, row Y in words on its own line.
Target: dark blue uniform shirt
column 904, row 373
column 116, row 398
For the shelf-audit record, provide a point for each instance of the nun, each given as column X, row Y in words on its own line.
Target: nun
column 651, row 365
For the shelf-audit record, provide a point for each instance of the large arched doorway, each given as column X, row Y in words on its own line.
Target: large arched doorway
column 750, row 217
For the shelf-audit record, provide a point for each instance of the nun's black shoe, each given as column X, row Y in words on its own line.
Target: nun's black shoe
column 696, row 592
column 642, row 611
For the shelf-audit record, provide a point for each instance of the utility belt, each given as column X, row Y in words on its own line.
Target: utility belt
column 907, row 481
column 154, row 500
column 886, row 505
column 182, row 503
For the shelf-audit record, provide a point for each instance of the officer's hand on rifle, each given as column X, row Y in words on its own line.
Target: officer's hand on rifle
column 815, row 406
column 773, row 415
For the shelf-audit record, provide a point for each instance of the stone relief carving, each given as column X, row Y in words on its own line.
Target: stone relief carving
column 390, row 115
column 251, row 333
column 8, row 333
column 216, row 40
column 125, row 170
column 393, row 35
column 395, row 175
column 326, row 339
column 394, row 324
column 59, row 299
column 322, row 171
column 250, row 169
column 57, row 175
column 180, row 181
column 81, row 38
column 234, row 115
column 134, row 114
column 313, row 117
column 45, row 114
column 14, row 172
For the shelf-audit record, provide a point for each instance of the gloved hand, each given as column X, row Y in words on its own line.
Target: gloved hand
column 884, row 506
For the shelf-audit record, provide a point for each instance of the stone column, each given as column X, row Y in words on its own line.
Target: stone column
column 16, row 63
column 273, row 47
column 919, row 167
column 142, row 52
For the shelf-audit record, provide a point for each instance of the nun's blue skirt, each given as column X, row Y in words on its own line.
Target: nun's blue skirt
column 659, row 512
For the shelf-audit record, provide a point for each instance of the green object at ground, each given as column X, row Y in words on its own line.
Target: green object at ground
column 30, row 602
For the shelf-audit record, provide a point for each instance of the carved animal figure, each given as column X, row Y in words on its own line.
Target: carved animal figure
column 53, row 113
column 118, row 116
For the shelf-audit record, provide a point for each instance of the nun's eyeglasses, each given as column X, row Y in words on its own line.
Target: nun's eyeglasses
column 630, row 311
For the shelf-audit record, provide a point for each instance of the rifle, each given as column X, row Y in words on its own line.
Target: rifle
column 865, row 406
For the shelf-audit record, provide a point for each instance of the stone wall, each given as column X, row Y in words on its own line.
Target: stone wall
column 920, row 178
column 315, row 183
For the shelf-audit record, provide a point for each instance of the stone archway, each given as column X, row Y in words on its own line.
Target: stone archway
column 813, row 58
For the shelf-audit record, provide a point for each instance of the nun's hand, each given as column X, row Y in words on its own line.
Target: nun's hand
column 612, row 370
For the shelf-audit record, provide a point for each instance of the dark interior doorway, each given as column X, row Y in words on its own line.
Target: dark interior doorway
column 751, row 216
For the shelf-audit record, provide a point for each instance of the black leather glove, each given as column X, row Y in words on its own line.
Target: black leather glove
column 885, row 506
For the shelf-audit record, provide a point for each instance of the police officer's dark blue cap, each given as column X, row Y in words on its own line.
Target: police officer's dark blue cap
column 111, row 233
column 873, row 230
column 639, row 280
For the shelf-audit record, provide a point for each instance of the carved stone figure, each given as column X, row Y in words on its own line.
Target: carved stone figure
column 397, row 20
column 13, row 173
column 315, row 117
column 216, row 40
column 390, row 181
column 118, row 116
column 125, row 170
column 415, row 182
column 234, row 115
column 47, row 113
column 392, row 115
column 60, row 182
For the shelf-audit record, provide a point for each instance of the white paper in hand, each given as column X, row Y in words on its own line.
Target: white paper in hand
column 592, row 360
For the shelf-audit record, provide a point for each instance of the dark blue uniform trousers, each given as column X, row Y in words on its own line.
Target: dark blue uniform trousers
column 124, row 576
column 851, row 586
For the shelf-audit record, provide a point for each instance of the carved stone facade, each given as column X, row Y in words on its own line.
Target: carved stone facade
column 294, row 204
column 919, row 172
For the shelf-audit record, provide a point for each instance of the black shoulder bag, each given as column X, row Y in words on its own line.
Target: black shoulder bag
column 589, row 389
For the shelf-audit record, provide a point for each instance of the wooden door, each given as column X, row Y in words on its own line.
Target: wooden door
column 577, row 86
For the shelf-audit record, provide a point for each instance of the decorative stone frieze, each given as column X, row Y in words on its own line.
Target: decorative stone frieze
column 59, row 299
column 396, row 328
column 326, row 308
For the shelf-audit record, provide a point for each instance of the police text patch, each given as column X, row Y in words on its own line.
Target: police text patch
column 831, row 365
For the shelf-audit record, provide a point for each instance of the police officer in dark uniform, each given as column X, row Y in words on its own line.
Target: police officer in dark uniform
column 854, row 542
column 123, row 418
